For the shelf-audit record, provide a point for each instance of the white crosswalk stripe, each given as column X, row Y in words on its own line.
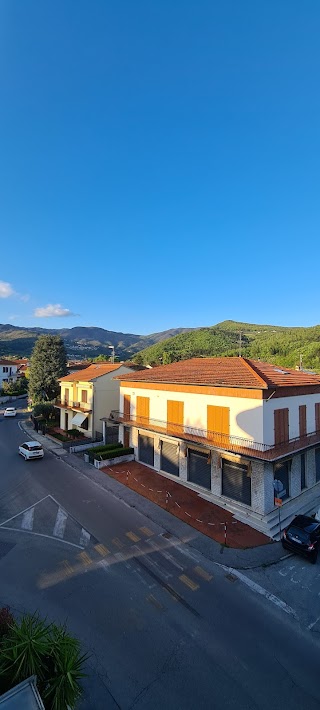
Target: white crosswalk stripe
column 60, row 524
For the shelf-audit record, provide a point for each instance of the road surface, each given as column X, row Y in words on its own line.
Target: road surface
column 164, row 626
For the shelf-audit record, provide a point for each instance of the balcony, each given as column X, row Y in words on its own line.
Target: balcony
column 77, row 406
column 216, row 440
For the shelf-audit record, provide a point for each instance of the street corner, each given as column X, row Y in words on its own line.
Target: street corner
column 46, row 518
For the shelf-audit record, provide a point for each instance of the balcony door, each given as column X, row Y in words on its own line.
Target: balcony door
column 143, row 410
column 175, row 417
column 218, row 425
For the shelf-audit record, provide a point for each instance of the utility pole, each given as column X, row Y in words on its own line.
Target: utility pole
column 240, row 343
column 300, row 364
column 112, row 354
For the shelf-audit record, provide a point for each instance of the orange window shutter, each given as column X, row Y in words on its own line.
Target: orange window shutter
column 126, row 404
column 317, row 415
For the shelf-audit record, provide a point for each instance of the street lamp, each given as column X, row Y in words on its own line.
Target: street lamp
column 111, row 347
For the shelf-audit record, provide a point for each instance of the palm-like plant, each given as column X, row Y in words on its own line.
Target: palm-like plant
column 65, row 667
column 24, row 649
column 34, row 647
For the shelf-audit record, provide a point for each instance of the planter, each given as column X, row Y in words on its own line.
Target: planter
column 112, row 462
column 86, row 458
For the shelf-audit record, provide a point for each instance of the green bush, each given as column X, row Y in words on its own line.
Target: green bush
column 57, row 435
column 34, row 647
column 114, row 453
column 104, row 447
column 75, row 433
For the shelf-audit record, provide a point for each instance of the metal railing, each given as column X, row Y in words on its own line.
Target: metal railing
column 213, row 439
column 84, row 406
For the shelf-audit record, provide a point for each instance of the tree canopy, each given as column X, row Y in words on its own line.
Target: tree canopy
column 48, row 363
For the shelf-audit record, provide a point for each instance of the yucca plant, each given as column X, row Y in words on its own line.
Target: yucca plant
column 65, row 670
column 24, row 650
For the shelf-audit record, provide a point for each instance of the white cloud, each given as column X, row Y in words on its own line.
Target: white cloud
column 24, row 297
column 6, row 290
column 51, row 311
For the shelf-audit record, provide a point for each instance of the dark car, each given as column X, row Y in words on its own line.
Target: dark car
column 303, row 536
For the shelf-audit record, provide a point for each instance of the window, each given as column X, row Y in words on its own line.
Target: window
column 317, row 453
column 281, row 426
column 218, row 424
column 84, row 396
column 175, row 417
column 5, row 369
column 143, row 406
column 303, row 471
column 302, row 420
column 281, row 473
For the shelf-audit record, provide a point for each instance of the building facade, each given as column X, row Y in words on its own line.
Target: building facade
column 88, row 396
column 229, row 428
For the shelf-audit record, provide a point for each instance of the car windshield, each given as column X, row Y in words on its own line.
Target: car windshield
column 10, row 409
column 34, row 447
column 298, row 533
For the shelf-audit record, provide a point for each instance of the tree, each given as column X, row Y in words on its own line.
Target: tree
column 48, row 363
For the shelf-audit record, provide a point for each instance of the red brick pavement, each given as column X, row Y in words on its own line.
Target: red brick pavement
column 186, row 504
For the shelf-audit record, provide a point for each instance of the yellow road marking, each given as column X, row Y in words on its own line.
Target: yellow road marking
column 133, row 537
column 103, row 551
column 85, row 558
column 117, row 542
column 146, row 532
column 189, row 582
column 66, row 567
column 154, row 601
column 202, row 573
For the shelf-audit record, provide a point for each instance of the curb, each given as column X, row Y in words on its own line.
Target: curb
column 160, row 514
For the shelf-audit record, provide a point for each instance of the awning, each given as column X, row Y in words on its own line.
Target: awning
column 79, row 418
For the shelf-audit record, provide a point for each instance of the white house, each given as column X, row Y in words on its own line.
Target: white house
column 228, row 428
column 9, row 370
column 88, row 396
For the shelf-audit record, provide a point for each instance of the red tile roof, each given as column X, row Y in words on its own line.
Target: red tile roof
column 224, row 372
column 97, row 369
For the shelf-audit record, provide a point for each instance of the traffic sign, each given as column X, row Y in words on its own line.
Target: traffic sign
column 278, row 502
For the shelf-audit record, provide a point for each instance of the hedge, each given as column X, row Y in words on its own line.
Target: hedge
column 114, row 453
column 104, row 447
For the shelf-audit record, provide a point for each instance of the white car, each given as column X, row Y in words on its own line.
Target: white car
column 31, row 450
column 10, row 412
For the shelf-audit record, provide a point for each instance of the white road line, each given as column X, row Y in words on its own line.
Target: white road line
column 166, row 554
column 260, row 590
column 60, row 524
column 313, row 623
column 149, row 561
column 23, row 511
column 48, row 537
column 27, row 519
column 84, row 537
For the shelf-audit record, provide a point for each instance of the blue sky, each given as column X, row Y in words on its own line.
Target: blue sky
column 159, row 163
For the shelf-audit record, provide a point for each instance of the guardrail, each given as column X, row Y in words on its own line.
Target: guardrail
column 234, row 444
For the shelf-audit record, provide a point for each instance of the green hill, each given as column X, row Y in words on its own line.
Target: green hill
column 275, row 344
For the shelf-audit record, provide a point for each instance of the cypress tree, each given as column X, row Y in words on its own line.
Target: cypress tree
column 48, row 363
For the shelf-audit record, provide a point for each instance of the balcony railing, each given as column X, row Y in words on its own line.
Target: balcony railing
column 213, row 439
column 67, row 404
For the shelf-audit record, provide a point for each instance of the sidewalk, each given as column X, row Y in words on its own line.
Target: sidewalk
column 246, row 548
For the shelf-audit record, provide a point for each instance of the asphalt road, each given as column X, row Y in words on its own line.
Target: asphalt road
column 165, row 628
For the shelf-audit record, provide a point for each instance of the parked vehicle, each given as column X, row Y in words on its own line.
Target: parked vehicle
column 303, row 537
column 10, row 412
column 31, row 450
